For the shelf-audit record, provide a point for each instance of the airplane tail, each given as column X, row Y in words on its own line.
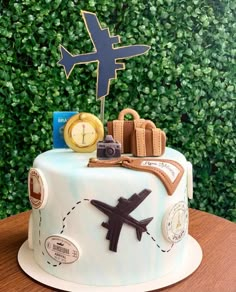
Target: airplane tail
column 67, row 61
column 142, row 228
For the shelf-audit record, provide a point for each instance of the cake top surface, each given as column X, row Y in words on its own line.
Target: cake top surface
column 68, row 159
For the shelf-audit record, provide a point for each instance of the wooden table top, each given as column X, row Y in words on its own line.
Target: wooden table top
column 217, row 272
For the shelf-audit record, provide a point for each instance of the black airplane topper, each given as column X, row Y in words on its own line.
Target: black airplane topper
column 105, row 54
column 119, row 215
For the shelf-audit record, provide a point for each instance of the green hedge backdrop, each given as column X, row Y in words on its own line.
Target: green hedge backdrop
column 186, row 84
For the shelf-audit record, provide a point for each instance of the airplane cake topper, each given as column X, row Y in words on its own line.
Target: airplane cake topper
column 105, row 54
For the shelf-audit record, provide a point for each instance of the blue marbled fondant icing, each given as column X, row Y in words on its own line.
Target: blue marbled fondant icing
column 68, row 212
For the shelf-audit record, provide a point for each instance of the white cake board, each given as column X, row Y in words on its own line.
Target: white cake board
column 191, row 261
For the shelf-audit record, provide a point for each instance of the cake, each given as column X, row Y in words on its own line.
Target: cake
column 117, row 222
column 112, row 212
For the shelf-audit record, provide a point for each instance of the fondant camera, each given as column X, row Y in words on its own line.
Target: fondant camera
column 108, row 148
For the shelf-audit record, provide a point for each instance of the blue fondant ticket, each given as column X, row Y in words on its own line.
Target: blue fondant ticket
column 59, row 121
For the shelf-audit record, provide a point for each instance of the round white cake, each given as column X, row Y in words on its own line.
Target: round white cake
column 108, row 226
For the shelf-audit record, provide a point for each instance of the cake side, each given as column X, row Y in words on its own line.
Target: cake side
column 145, row 248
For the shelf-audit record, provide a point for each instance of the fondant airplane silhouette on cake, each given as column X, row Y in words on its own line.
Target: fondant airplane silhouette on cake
column 119, row 215
column 105, row 54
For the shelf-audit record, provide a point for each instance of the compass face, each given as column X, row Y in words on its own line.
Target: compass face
column 175, row 222
column 83, row 134
column 83, row 131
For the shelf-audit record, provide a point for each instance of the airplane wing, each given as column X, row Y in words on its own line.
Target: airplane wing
column 105, row 74
column 103, row 81
column 114, row 228
column 130, row 51
column 92, row 25
column 128, row 205
column 113, row 225
column 98, row 35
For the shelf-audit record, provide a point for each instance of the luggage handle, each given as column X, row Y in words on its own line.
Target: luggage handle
column 148, row 124
column 128, row 111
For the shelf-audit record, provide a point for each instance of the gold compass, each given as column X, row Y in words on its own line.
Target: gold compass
column 83, row 131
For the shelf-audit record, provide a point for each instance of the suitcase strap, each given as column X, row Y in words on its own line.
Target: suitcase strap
column 118, row 132
column 156, row 141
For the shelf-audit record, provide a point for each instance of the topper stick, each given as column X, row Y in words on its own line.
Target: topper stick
column 102, row 108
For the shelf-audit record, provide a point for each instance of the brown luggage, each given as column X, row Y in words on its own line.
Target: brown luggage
column 122, row 129
column 147, row 140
